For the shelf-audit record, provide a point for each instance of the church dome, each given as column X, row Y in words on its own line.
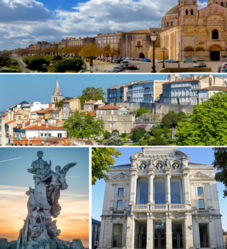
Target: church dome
column 172, row 11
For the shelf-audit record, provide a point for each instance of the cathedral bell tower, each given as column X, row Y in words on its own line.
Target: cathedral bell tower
column 56, row 96
column 188, row 9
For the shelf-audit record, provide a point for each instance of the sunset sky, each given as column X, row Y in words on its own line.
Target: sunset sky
column 73, row 220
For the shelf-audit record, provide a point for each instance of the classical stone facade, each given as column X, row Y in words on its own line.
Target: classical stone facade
column 161, row 200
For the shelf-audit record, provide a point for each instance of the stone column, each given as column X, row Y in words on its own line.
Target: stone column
column 168, row 188
column 209, row 197
column 130, row 232
column 186, row 189
column 133, row 186
column 188, row 231
column 151, row 187
column 150, row 232
column 168, row 231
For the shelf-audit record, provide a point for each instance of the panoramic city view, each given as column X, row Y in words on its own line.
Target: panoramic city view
column 113, row 124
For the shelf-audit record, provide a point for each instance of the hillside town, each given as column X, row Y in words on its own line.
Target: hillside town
column 45, row 124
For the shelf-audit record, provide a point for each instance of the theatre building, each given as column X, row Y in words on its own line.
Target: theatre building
column 161, row 200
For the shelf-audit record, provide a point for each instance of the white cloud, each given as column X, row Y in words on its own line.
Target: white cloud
column 28, row 21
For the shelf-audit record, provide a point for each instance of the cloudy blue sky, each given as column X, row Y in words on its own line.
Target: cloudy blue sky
column 23, row 22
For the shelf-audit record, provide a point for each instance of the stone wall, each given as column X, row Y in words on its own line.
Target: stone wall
column 158, row 108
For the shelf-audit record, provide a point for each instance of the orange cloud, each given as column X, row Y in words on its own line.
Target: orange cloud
column 73, row 220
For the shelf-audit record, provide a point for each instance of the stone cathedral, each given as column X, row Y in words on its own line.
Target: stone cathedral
column 161, row 200
column 186, row 32
column 199, row 34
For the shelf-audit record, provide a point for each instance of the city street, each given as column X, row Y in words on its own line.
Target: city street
column 145, row 67
column 21, row 64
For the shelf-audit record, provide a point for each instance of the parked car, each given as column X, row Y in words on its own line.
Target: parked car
column 117, row 60
column 131, row 58
column 223, row 67
column 110, row 71
column 119, row 68
column 146, row 60
column 127, row 58
column 124, row 63
column 131, row 67
column 158, row 61
column 136, row 59
column 171, row 61
column 189, row 61
column 141, row 59
column 200, row 64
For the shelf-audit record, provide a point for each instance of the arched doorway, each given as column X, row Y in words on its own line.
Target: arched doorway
column 215, row 53
column 141, row 55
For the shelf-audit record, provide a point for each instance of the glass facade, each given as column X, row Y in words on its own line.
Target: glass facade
column 142, row 191
column 140, row 238
column 177, row 234
column 203, row 235
column 117, row 235
column 159, row 191
column 159, row 234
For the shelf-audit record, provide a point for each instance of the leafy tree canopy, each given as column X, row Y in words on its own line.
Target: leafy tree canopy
column 142, row 110
column 138, row 133
column 172, row 117
column 158, row 141
column 69, row 64
column 89, row 51
column 220, row 163
column 207, row 125
column 91, row 93
column 102, row 158
column 81, row 125
column 37, row 64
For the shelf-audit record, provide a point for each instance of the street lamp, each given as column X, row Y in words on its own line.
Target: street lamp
column 153, row 39
column 163, row 51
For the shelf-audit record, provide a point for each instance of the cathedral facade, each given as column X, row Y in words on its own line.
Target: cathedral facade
column 186, row 32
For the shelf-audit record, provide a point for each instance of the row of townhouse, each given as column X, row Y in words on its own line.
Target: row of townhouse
column 183, row 90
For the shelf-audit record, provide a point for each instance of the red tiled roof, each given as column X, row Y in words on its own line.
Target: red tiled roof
column 93, row 113
column 185, row 79
column 48, row 111
column 43, row 127
column 109, row 107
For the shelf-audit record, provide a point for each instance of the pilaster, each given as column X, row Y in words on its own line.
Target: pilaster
column 168, row 231
column 130, row 232
column 188, row 231
column 150, row 231
column 151, row 187
column 133, row 186
column 168, row 187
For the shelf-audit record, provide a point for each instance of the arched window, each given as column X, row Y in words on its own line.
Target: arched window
column 186, row 12
column 191, row 12
column 120, row 205
column 215, row 34
column 138, row 43
column 222, row 4
column 201, row 204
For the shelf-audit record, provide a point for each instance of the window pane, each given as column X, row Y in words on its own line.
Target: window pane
column 120, row 205
column 176, row 191
column 201, row 204
column 117, row 235
column 159, row 187
column 120, row 192
column 142, row 191
column 204, row 235
column 200, row 191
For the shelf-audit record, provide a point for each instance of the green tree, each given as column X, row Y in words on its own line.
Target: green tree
column 158, row 141
column 172, row 117
column 207, row 125
column 89, row 51
column 82, row 125
column 91, row 93
column 220, row 163
column 158, row 133
column 69, row 64
column 102, row 158
column 142, row 110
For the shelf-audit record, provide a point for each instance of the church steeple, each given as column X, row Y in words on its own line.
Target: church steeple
column 56, row 96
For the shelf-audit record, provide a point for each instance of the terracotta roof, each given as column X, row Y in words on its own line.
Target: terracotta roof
column 185, row 80
column 11, row 121
column 43, row 127
column 48, row 111
column 210, row 88
column 109, row 107
column 93, row 113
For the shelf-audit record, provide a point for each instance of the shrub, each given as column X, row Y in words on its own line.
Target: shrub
column 138, row 133
column 169, row 135
column 37, row 64
column 143, row 142
column 123, row 135
column 147, row 136
column 106, row 134
column 158, row 141
column 57, row 57
column 70, row 64
column 158, row 133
